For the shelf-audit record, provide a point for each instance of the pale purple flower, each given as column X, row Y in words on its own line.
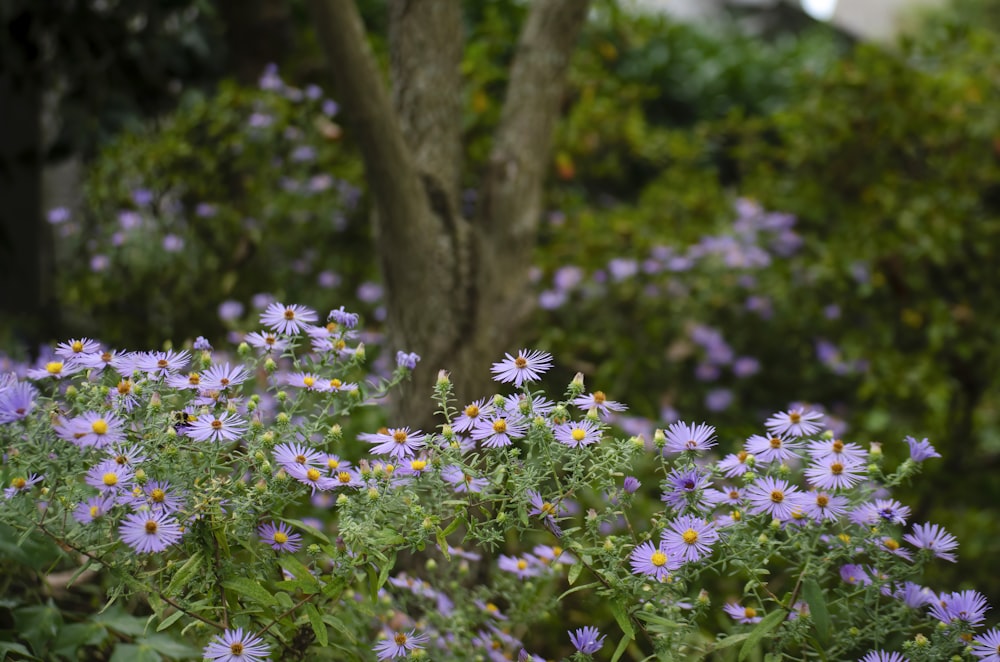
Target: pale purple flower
column 400, row 644
column 518, row 404
column 795, row 422
column 93, row 508
column 598, row 400
column 148, row 532
column 880, row 511
column 689, row 488
column 852, row 573
column 290, row 319
column 528, row 366
column 280, row 537
column 653, row 560
column 172, row 243
column 883, row 656
column 498, row 430
column 467, row 419
column 396, row 442
column 773, row 448
column 523, row 566
column 933, row 538
column 54, row 370
column 313, row 477
column 774, row 497
column 683, row 437
column 966, row 607
column 17, row 401
column 718, row 399
column 211, row 427
column 822, row 506
column 463, row 481
column 986, row 646
column 734, row 464
column 837, row 450
column 689, row 538
column 631, row 484
column 236, row 646
column 266, row 342
column 407, row 360
column 21, row 484
column 162, row 364
column 291, row 455
column 77, row 347
column 834, row 474
column 742, row 614
column 109, row 477
column 221, row 377
column 578, row 433
column 920, row 450
column 92, row 429
column 58, row 215
column 587, row 640
column 914, row 595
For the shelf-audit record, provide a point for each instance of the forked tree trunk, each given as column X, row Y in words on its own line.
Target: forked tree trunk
column 457, row 289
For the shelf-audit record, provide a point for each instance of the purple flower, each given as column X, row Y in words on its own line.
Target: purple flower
column 852, row 573
column 162, row 364
column 522, row 566
column 689, row 538
column 771, row 449
column 266, row 342
column 221, row 377
column 836, row 449
column 631, row 484
column 407, row 360
column 653, row 560
column 463, row 482
column 920, row 450
column 986, row 646
column 396, row 442
column 528, row 366
column 734, row 464
column 913, row 595
column 58, row 215
column 499, row 430
column 93, row 508
column 833, row 474
column 934, row 538
column 795, row 422
column 76, row 347
column 280, row 537
column 598, row 400
column 291, row 455
column 172, row 243
column 587, row 640
column 92, row 429
column 745, row 366
column 883, row 656
column 17, row 401
column 773, row 496
column 289, row 320
column 683, row 437
column 742, row 614
column 20, row 484
column 209, row 427
column 400, row 644
column 880, row 511
column 718, row 399
column 312, row 477
column 578, row 433
column 149, row 532
column 108, row 476
column 236, row 646
column 822, row 506
column 967, row 607
column 471, row 414
column 688, row 488
column 156, row 496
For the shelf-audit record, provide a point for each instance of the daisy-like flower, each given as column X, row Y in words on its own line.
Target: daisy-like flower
column 297, row 455
column 236, row 646
column 93, row 508
column 407, row 360
column 836, row 449
column 796, row 422
column 490, row 610
column 599, row 401
column 527, row 366
column 280, row 537
column 742, row 614
column 463, row 482
column 689, row 538
column 773, row 496
column 189, row 381
column 883, row 656
column 336, row 386
column 986, row 646
column 471, row 414
column 499, row 430
column 21, row 484
column 97, row 361
column 54, row 370
column 933, row 538
column 162, row 364
column 77, row 347
column 211, row 427
column 289, row 320
column 852, row 573
column 683, row 437
column 93, row 429
column 578, row 433
column 123, row 396
column 158, row 496
column 771, row 449
column 221, row 377
column 333, row 463
column 587, row 640
column 519, row 405
column 833, row 474
column 920, row 450
column 399, row 644
column 126, row 455
column 109, row 477
column 543, row 508
column 306, row 380
column 689, row 488
column 396, row 442
column 312, row 477
column 266, row 342
column 891, row 545
column 652, row 560
column 968, row 607
column 552, row 555
column 734, row 464
column 522, row 566
column 880, row 511
column 148, row 532
column 17, row 401
column 914, row 595
column 344, row 318
column 821, row 506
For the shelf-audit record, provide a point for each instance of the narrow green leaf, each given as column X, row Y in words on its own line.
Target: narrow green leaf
column 169, row 620
column 579, row 588
column 184, row 574
column 442, row 541
column 574, row 572
column 383, row 575
column 622, row 647
column 813, row 595
column 249, row 589
column 756, row 636
column 339, row 626
column 318, row 626
column 311, row 530
column 730, row 641
column 621, row 616
column 300, row 572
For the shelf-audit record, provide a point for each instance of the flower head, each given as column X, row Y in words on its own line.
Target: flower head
column 796, row 422
column 986, row 646
column 463, row 481
column 883, row 656
column 683, row 437
column 933, row 538
column 689, row 538
column 289, row 320
column 236, row 646
column 742, row 614
column 578, row 433
column 599, row 401
column 280, row 537
column 528, row 366
column 966, row 607
column 835, row 474
column 211, row 427
column 587, row 640
column 17, row 401
column 773, row 496
column 920, row 450
column 21, row 484
column 773, row 448
column 266, row 342
column 93, row 508
column 396, row 442
column 400, row 644
column 522, row 566
column 149, row 531
column 653, row 560
column 499, row 430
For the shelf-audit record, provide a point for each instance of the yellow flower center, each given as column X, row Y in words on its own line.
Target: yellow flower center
column 330, row 462
column 520, row 362
column 736, row 515
column 472, row 411
column 521, row 564
column 344, row 477
column 77, row 346
column 690, row 536
column 18, row 483
column 308, row 381
column 838, row 446
column 269, row 339
column 151, row 526
column 777, row 496
column 836, row 468
column 418, row 465
column 500, row 426
column 891, row 544
column 775, row 442
column 578, row 434
column 313, row 474
column 236, row 648
column 822, row 500
column 216, row 424
column 795, row 417
column 110, row 479
column 194, row 379
column 490, row 607
column 300, row 459
column 844, row 538
column 280, row 537
column 124, row 387
column 749, row 612
column 335, row 383
column 158, row 495
column 54, row 367
column 94, row 510
column 289, row 314
column 399, row 436
column 599, row 397
column 400, row 638
column 548, row 509
column 100, row 426
column 658, row 558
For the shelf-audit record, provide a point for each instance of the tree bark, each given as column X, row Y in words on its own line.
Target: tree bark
column 457, row 289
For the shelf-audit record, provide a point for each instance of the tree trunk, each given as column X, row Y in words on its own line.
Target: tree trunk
column 457, row 289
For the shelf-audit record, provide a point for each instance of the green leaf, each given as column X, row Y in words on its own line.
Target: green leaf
column 442, row 541
column 121, row 622
column 622, row 647
column 339, row 626
column 311, row 530
column 184, row 574
column 813, row 595
column 167, row 645
column 169, row 620
column 318, row 626
column 756, row 636
column 621, row 616
column 730, row 641
column 247, row 588
column 13, row 647
column 581, row 587
column 300, row 572
column 574, row 573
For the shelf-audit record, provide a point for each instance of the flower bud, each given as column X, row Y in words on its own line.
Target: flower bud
column 501, row 517
column 140, row 476
column 443, row 378
column 155, row 402
column 269, row 365
column 281, row 419
column 335, row 433
column 577, row 382
column 359, row 352
column 592, row 414
column 499, row 402
column 659, row 439
column 638, row 441
column 447, row 432
column 281, row 396
column 762, row 539
column 342, row 499
column 431, row 565
column 71, row 392
column 875, row 451
column 243, row 349
column 260, row 487
column 827, row 434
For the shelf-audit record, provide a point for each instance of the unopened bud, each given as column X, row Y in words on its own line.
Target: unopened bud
column 659, row 439
column 359, row 352
column 443, row 378
column 269, row 365
column 243, row 349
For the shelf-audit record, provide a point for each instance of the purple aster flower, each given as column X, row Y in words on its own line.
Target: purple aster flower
column 156, row 495
column 280, row 537
column 58, row 215
column 471, row 414
column 837, row 450
column 546, row 510
column 189, row 381
column 305, row 380
column 490, row 610
column 76, row 347
column 967, row 607
column 463, row 482
column 852, row 573
column 517, row 404
column 289, row 320
column 312, row 477
column 822, row 506
column 201, row 344
column 148, row 532
column 407, row 360
column 734, row 464
column 162, row 364
column 631, row 484
column 396, row 442
column 17, row 401
column 347, row 478
column 742, row 614
column 522, row 566
column 109, row 476
column 986, row 646
column 54, row 370
column 689, row 488
column 653, row 560
column 597, row 400
column 528, row 366
column 552, row 555
column 578, row 433
column 771, row 449
column 795, row 422
column 499, row 430
column 92, row 429
column 745, row 366
column 126, row 455
column 934, row 538
column 93, row 508
column 20, row 484
column 883, row 656
column 683, row 437
column 266, row 342
column 587, row 640
column 236, row 646
column 209, row 427
column 689, row 538
column 834, row 474
column 773, row 496
column 920, row 450
column 221, row 377
column 891, row 545
column 880, row 511
column 913, row 595
column 98, row 361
